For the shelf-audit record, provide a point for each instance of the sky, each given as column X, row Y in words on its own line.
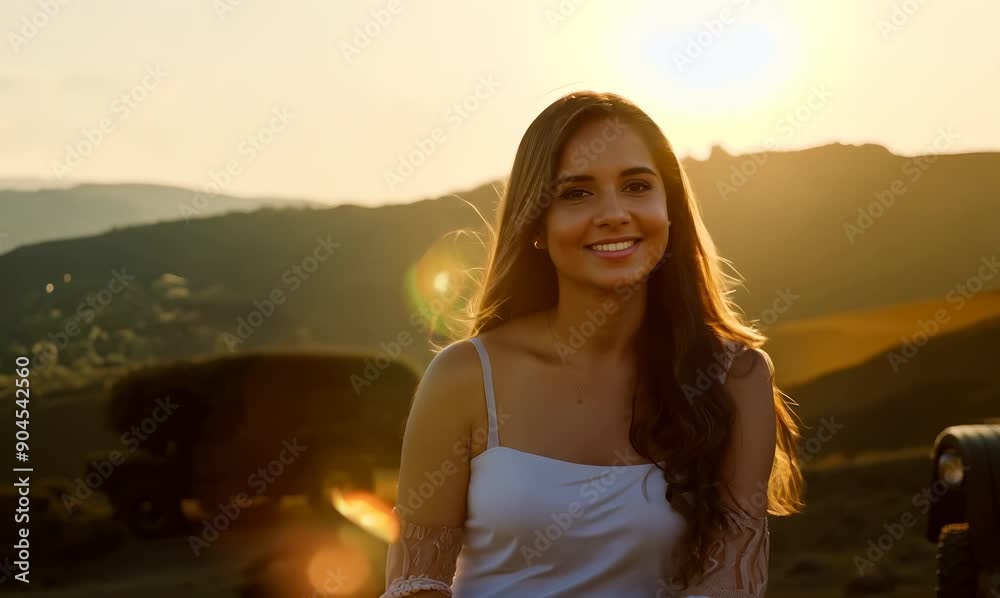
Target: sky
column 383, row 101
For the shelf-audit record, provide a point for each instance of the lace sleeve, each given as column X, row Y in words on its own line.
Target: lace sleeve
column 423, row 558
column 738, row 564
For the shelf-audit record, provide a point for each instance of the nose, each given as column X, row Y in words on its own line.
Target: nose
column 611, row 210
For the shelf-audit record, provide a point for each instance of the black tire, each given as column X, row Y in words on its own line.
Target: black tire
column 149, row 512
column 957, row 573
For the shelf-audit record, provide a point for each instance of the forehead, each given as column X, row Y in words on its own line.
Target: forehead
column 604, row 146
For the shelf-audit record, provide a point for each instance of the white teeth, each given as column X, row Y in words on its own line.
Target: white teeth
column 613, row 246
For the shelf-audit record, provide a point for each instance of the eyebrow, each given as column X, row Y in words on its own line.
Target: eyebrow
column 578, row 178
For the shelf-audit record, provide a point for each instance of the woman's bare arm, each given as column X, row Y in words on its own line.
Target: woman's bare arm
column 434, row 476
column 739, row 566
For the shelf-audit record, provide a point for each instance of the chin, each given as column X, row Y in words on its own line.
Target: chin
column 620, row 278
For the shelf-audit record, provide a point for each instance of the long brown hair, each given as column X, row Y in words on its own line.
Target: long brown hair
column 689, row 317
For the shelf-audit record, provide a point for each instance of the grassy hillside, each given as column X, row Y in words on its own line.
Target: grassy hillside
column 193, row 281
column 194, row 285
column 884, row 404
column 811, row 347
column 848, row 504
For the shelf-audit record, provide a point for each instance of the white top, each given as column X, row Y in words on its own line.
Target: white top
column 544, row 527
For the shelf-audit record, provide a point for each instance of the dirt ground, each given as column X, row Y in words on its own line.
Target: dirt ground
column 262, row 554
column 273, row 550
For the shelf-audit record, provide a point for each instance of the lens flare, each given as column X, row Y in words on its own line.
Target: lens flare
column 339, row 570
column 368, row 512
column 441, row 282
column 437, row 286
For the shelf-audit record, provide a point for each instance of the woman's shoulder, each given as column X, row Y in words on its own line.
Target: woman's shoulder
column 451, row 388
column 517, row 339
column 454, row 368
column 742, row 359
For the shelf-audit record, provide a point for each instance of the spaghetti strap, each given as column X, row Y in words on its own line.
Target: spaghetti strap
column 491, row 406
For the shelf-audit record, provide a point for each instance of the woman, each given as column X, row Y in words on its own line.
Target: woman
column 611, row 426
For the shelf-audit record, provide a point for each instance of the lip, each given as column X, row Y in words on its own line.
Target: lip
column 617, row 255
column 614, row 240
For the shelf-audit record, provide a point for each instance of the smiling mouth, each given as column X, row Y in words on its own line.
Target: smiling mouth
column 614, row 247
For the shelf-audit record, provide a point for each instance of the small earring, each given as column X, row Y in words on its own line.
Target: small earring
column 538, row 244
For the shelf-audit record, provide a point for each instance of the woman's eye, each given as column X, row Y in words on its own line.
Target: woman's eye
column 637, row 186
column 573, row 193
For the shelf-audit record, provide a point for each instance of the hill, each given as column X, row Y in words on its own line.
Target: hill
column 811, row 347
column 388, row 274
column 805, row 221
column 902, row 397
column 32, row 215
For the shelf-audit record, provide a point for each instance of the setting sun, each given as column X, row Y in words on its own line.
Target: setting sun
column 732, row 62
column 276, row 274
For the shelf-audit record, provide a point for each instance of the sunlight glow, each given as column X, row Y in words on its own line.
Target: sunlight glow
column 368, row 512
column 441, row 282
column 338, row 570
column 723, row 72
column 437, row 285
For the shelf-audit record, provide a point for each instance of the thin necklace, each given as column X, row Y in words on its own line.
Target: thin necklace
column 555, row 338
column 576, row 383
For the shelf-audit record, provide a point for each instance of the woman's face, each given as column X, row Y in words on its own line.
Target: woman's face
column 607, row 224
